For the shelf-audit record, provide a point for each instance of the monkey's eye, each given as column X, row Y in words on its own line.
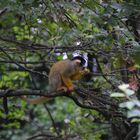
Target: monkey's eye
column 83, row 67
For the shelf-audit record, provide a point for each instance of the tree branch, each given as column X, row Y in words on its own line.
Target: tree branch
column 84, row 99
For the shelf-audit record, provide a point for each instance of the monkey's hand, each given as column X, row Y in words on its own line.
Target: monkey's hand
column 80, row 74
column 84, row 71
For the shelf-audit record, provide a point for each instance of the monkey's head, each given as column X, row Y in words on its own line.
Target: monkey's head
column 82, row 60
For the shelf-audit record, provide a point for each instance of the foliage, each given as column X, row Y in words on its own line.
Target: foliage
column 35, row 34
column 130, row 102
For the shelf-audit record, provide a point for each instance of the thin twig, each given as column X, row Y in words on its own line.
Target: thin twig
column 21, row 66
column 53, row 122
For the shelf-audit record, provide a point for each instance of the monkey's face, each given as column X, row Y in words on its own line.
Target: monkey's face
column 77, row 62
column 82, row 60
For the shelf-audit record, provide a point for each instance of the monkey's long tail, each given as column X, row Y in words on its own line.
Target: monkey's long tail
column 39, row 100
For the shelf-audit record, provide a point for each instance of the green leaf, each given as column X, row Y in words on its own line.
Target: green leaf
column 137, row 120
column 96, row 30
column 123, row 87
column 117, row 94
column 133, row 113
column 60, row 57
column 129, row 92
column 136, row 102
column 129, row 105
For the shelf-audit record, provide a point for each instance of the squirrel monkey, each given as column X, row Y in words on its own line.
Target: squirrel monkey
column 61, row 75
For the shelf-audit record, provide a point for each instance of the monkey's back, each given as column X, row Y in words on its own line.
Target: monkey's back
column 58, row 68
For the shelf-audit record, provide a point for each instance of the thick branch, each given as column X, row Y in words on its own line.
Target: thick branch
column 84, row 99
column 21, row 92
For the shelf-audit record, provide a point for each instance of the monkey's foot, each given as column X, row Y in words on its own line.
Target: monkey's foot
column 62, row 88
column 70, row 89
